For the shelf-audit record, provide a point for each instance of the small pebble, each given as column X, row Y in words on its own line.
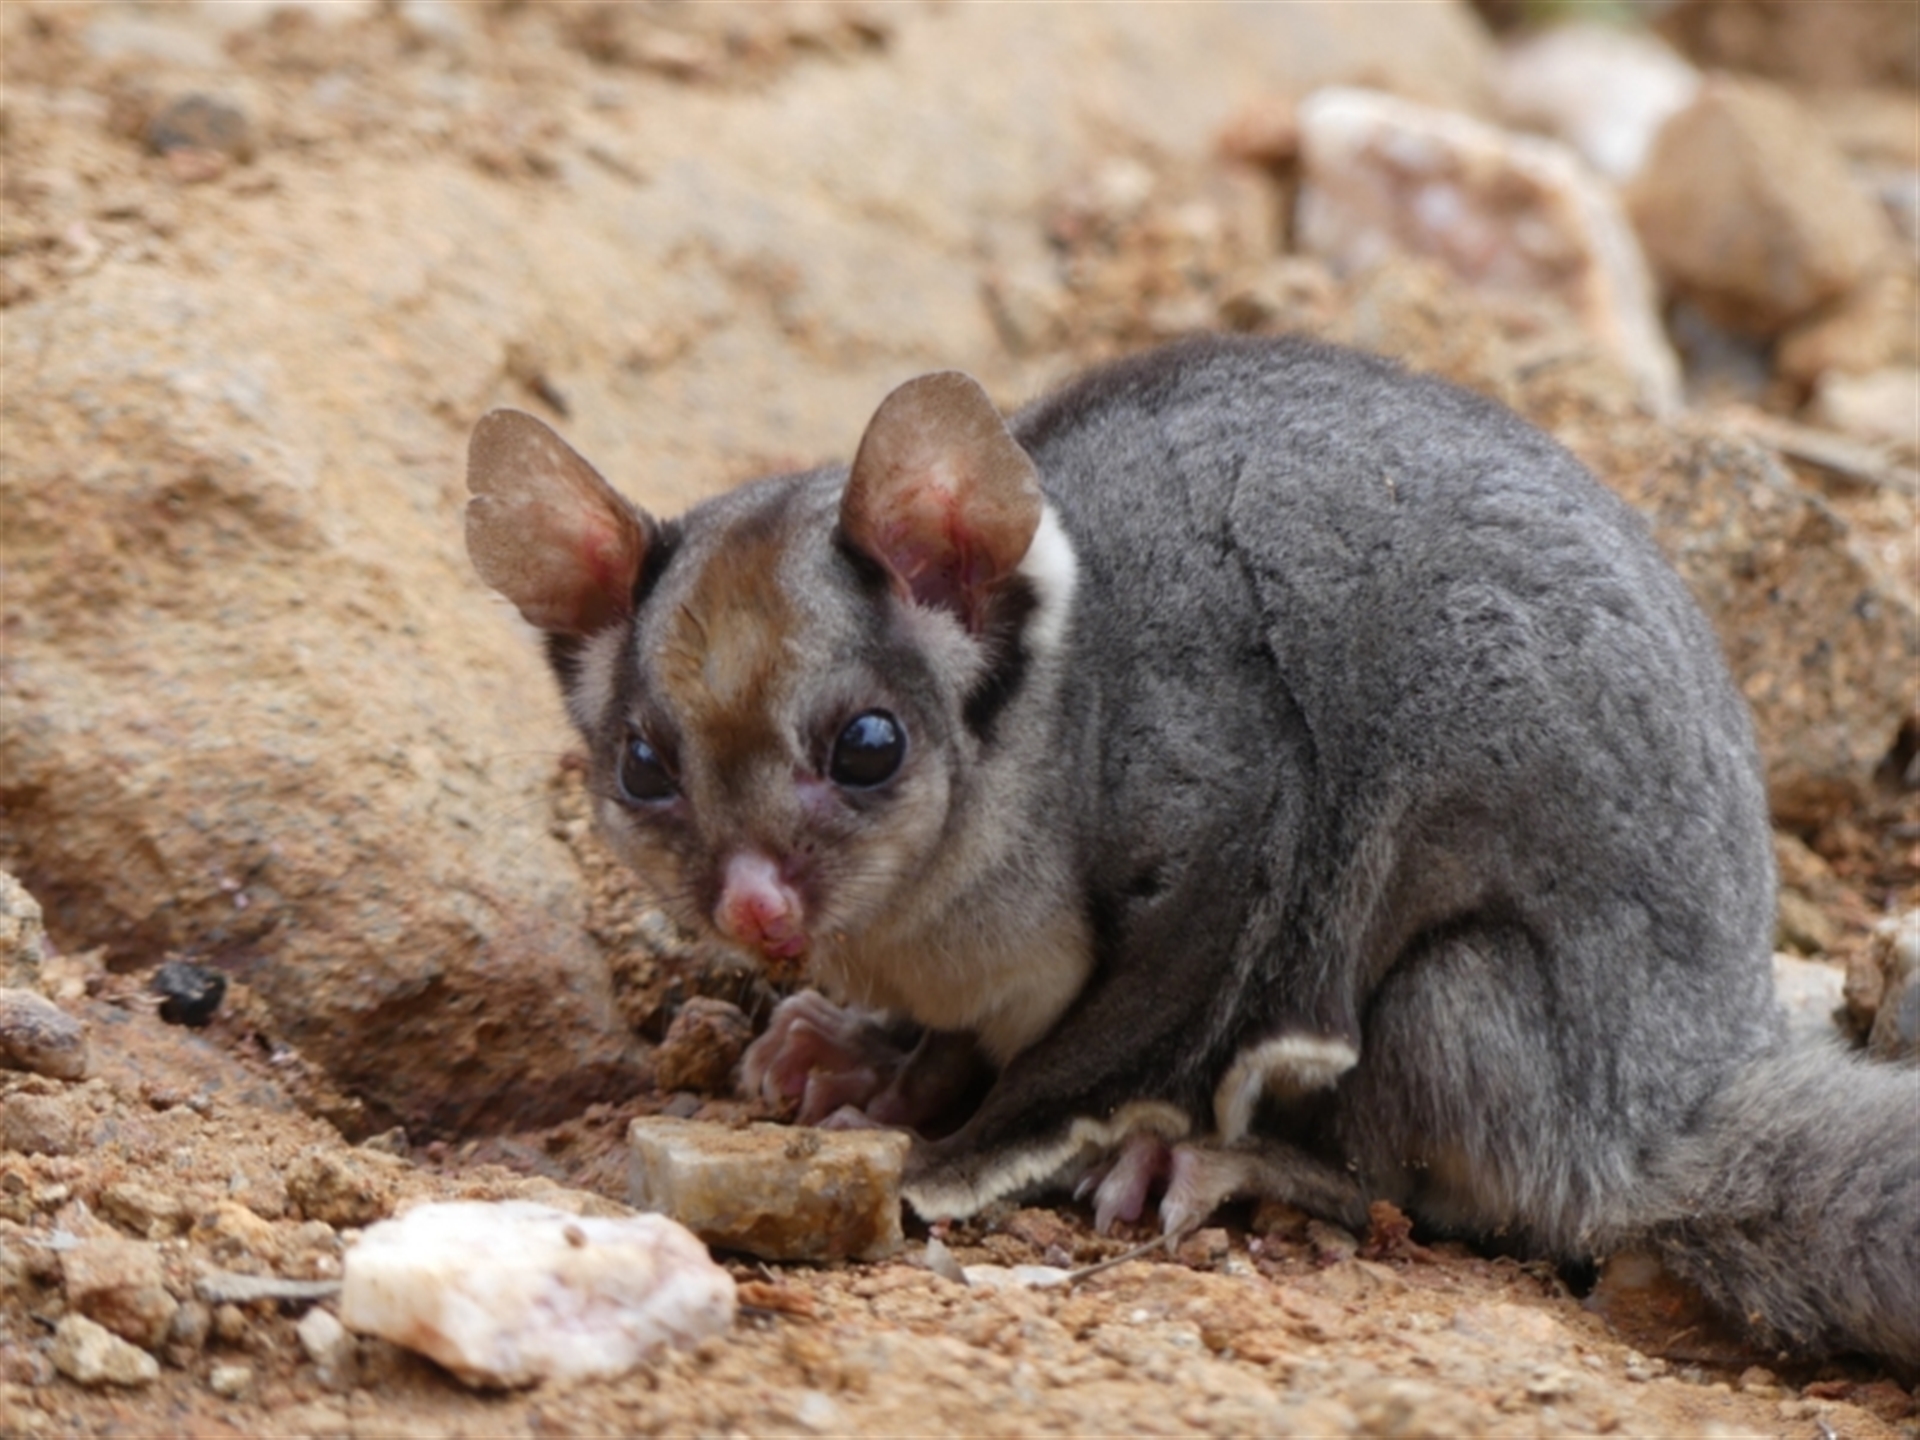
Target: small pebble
column 91, row 1354
column 772, row 1190
column 190, row 994
column 702, row 1046
column 388, row 1142
column 343, row 1188
column 230, row 1379
column 230, row 1324
column 38, row 1125
column 192, row 1323
column 200, row 122
column 324, row 1338
column 151, row 1214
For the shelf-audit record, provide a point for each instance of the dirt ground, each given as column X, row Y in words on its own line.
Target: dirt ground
column 227, row 1147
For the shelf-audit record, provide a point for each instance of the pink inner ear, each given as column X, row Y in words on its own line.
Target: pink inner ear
column 942, row 495
column 546, row 531
column 932, row 553
column 610, row 561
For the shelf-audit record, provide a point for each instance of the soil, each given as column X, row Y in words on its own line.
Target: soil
column 227, row 1145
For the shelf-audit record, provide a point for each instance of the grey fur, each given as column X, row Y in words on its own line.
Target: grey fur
column 1375, row 721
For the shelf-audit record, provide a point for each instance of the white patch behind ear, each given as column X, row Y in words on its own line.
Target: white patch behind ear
column 1053, row 570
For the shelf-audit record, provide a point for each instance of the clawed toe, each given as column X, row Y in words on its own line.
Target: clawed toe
column 1199, row 1182
column 1121, row 1192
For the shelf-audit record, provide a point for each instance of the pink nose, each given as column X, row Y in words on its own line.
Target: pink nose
column 759, row 908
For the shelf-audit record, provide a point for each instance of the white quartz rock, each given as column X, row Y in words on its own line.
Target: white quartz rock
column 1504, row 212
column 513, row 1293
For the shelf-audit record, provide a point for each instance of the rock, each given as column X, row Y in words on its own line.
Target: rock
column 192, row 1323
column 39, row 1125
column 233, row 1232
column 1883, row 990
column 90, row 1354
column 1604, row 89
column 1882, row 406
column 1012, row 1277
column 1748, row 210
column 230, row 1324
column 201, row 122
column 230, row 1379
column 1811, row 992
column 120, row 1284
column 774, row 1191
column 23, row 936
column 149, row 1213
column 1819, row 638
column 1803, row 927
column 189, row 994
column 330, row 1346
column 1843, row 45
column 343, row 1188
column 701, row 1047
column 66, row 978
column 1872, row 326
column 37, row 1035
column 1504, row 212
column 513, row 1293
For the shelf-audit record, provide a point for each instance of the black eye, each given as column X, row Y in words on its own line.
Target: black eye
column 643, row 775
column 868, row 751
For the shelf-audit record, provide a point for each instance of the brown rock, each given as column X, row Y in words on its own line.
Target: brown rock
column 702, row 1046
column 1881, row 407
column 152, row 1214
column 37, row 1035
column 232, row 1233
column 1819, row 639
column 1873, row 325
column 1748, row 210
column 121, row 1285
column 39, row 1124
column 92, row 1355
column 343, row 1187
column 773, row 1190
column 1883, row 990
column 1815, row 44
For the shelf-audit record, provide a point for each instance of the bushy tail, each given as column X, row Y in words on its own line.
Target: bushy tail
column 1795, row 1205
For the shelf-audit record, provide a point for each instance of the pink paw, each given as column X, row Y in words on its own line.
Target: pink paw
column 820, row 1054
column 847, row 1069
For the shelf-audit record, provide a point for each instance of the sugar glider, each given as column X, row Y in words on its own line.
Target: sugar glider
column 1252, row 769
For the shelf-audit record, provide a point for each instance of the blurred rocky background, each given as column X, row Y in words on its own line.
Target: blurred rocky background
column 262, row 265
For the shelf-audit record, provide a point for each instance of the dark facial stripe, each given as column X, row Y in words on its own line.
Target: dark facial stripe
column 1005, row 638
